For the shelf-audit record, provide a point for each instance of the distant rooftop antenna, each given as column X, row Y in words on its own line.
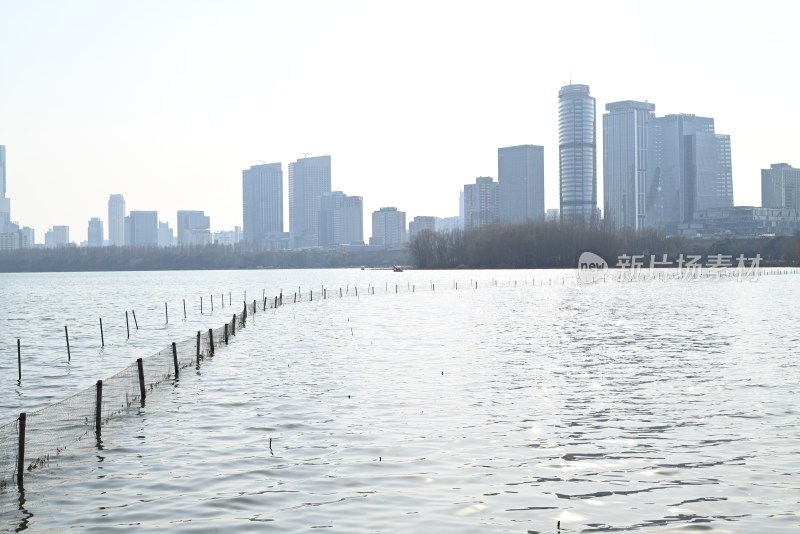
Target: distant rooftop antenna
column 306, row 154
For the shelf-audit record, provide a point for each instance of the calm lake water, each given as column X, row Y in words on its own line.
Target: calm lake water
column 664, row 406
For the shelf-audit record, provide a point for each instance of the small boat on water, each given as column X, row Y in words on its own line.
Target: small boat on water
column 397, row 269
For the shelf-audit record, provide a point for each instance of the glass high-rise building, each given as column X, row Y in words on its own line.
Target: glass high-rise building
column 309, row 179
column 2, row 171
column 5, row 203
column 116, row 221
column 577, row 154
column 625, row 129
column 520, row 177
column 689, row 168
column 262, row 204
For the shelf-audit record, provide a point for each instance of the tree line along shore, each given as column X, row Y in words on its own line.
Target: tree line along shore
column 550, row 245
column 535, row 245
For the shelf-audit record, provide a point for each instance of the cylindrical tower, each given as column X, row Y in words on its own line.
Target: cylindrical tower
column 577, row 154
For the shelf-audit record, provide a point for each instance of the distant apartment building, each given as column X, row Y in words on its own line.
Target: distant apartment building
column 577, row 154
column 141, row 229
column 166, row 236
column 388, row 227
column 309, row 179
column 57, row 236
column 228, row 237
column 520, row 178
column 27, row 237
column 262, row 205
column 116, row 220
column 481, row 203
column 420, row 224
column 95, row 233
column 341, row 220
column 194, row 228
column 780, row 186
column 5, row 206
column 5, row 213
column 448, row 224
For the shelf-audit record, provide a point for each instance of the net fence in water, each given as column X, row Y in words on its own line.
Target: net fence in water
column 52, row 429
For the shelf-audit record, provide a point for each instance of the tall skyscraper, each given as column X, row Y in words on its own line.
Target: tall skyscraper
column 95, row 233
column 309, row 179
column 341, row 219
column 5, row 202
column 689, row 168
column 388, row 227
column 116, row 220
column 194, row 228
column 710, row 172
column 577, row 154
column 262, row 204
column 2, row 170
column 481, row 203
column 520, row 177
column 625, row 129
column 780, row 187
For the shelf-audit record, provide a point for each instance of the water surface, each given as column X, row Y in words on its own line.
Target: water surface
column 666, row 406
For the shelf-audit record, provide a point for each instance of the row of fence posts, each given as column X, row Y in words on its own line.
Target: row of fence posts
column 370, row 289
column 128, row 327
column 22, row 421
column 66, row 338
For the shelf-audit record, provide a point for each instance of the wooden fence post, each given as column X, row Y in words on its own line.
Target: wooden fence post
column 175, row 358
column 66, row 335
column 21, row 449
column 98, row 407
column 140, row 368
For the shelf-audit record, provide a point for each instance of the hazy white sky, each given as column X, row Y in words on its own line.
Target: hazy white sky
column 167, row 101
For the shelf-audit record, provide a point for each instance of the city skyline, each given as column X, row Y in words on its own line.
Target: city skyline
column 125, row 118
